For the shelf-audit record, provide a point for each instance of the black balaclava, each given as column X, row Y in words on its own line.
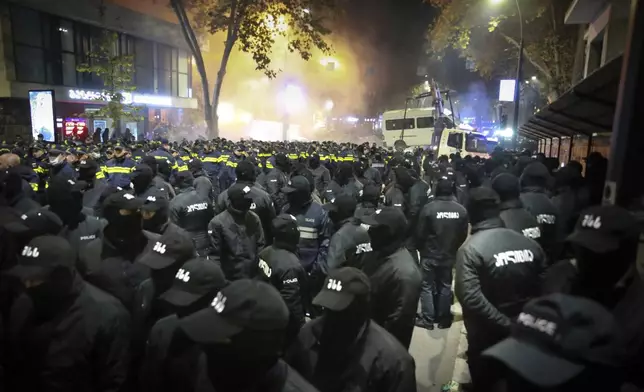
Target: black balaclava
column 535, row 176
column 339, row 331
column 285, row 236
column 196, row 167
column 239, row 202
column 341, row 213
column 444, row 188
column 123, row 231
column 159, row 221
column 301, row 170
column 66, row 202
column 596, row 279
column 141, row 178
column 370, row 194
column 251, row 353
column 245, row 172
column 282, row 163
column 483, row 204
column 314, row 161
column 164, row 170
column 48, row 297
column 358, row 169
column 152, row 164
column 507, row 186
column 87, row 172
column 184, row 181
column 299, row 198
column 12, row 186
column 344, row 173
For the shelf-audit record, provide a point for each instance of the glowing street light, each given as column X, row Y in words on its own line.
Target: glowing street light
column 495, row 2
column 306, row 11
column 534, row 78
column 329, row 63
column 328, row 105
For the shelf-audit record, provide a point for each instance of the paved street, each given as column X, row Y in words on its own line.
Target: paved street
column 439, row 355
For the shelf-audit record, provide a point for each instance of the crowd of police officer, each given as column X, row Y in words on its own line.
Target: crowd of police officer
column 254, row 266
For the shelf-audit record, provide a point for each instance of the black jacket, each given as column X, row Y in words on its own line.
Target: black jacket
column 537, row 203
column 353, row 188
column 373, row 174
column 321, row 177
column 395, row 197
column 442, row 228
column 193, row 213
column 236, row 239
column 282, row 269
column 83, row 348
column 92, row 195
column 375, row 361
column 276, row 179
column 89, row 228
column 395, row 290
column 497, row 271
column 348, row 247
column 108, row 268
column 171, row 360
column 262, row 206
column 517, row 218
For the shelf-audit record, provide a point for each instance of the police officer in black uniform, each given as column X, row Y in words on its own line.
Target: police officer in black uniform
column 350, row 243
column 192, row 212
column 442, row 228
column 280, row 266
column 497, row 271
column 513, row 215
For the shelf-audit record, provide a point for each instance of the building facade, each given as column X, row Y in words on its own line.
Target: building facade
column 43, row 41
column 605, row 28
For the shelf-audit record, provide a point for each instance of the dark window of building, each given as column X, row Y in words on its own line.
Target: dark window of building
column 144, row 65
column 184, row 65
column 455, row 140
column 26, row 26
column 164, row 69
column 29, row 64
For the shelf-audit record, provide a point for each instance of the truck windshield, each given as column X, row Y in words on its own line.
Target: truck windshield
column 476, row 143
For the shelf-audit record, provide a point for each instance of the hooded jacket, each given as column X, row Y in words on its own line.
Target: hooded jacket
column 537, row 202
column 193, row 213
column 395, row 292
column 144, row 184
column 236, row 240
column 280, row 266
column 348, row 247
column 442, row 229
column 376, row 361
column 83, row 348
column 517, row 218
column 497, row 271
column 262, row 206
column 112, row 270
column 14, row 192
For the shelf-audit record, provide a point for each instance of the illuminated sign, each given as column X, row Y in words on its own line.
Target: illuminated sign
column 92, row 95
column 506, row 90
column 43, row 121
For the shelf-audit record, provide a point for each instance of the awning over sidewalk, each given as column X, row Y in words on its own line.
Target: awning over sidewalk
column 585, row 109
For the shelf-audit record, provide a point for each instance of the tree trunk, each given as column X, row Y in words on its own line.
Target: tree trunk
column 191, row 39
column 220, row 82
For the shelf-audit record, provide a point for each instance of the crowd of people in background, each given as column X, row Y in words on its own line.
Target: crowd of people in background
column 223, row 266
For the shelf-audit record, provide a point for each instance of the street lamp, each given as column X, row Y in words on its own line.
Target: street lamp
column 517, row 90
column 534, row 78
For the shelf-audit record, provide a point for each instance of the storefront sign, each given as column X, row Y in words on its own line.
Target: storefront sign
column 128, row 98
